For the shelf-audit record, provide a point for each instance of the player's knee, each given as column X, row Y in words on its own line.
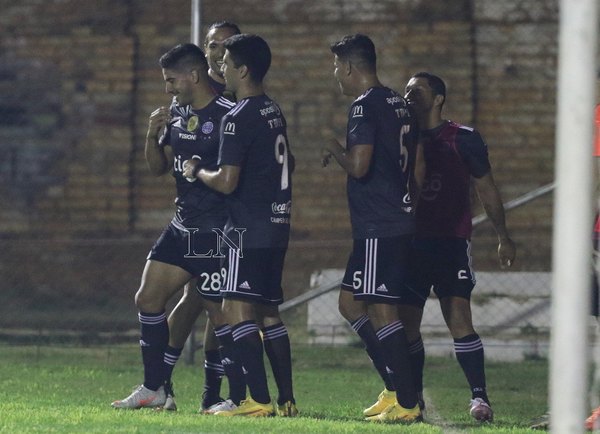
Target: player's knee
column 146, row 302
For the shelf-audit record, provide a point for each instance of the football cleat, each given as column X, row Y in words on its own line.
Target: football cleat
column 249, row 408
column 170, row 404
column 593, row 421
column 287, row 409
column 396, row 413
column 481, row 410
column 541, row 422
column 208, row 401
column 143, row 397
column 384, row 400
column 227, row 405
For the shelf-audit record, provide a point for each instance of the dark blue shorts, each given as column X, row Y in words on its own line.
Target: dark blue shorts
column 441, row 264
column 255, row 276
column 378, row 268
column 193, row 251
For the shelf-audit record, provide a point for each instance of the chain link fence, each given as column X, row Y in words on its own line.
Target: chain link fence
column 81, row 291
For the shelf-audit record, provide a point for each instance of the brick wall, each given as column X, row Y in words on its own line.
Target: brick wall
column 79, row 78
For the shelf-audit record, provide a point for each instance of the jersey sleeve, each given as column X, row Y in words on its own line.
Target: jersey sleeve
column 361, row 125
column 474, row 152
column 233, row 146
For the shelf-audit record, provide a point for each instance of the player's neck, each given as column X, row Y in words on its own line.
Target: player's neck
column 433, row 120
column 249, row 89
column 366, row 83
column 203, row 95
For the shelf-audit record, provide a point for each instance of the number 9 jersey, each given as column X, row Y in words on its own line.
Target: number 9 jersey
column 254, row 137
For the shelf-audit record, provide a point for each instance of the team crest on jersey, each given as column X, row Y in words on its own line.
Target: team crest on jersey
column 192, row 124
column 208, row 127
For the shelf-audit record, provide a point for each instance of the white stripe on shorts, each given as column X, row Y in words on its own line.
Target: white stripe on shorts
column 370, row 266
column 234, row 264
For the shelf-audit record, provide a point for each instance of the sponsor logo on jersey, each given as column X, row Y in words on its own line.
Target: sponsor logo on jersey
column 192, row 124
column 208, row 127
column 229, row 128
column 245, row 285
column 281, row 208
column 394, row 100
column 184, row 136
column 273, row 108
column 357, row 111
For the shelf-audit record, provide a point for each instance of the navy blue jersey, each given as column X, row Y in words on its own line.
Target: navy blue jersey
column 453, row 153
column 194, row 134
column 380, row 204
column 254, row 137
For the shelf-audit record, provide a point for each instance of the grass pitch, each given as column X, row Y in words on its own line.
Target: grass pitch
column 69, row 389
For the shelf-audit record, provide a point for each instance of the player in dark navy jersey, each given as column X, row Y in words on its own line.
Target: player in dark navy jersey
column 213, row 47
column 379, row 158
column 188, row 247
column 454, row 154
column 184, row 315
column 255, row 167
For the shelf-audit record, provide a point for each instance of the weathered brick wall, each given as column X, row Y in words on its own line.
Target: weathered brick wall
column 79, row 78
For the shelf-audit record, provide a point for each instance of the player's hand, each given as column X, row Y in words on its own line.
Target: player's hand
column 189, row 167
column 158, row 119
column 326, row 152
column 506, row 252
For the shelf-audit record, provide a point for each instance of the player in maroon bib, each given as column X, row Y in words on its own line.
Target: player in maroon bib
column 454, row 155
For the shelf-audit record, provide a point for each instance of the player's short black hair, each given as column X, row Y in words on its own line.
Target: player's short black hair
column 358, row 49
column 184, row 56
column 252, row 51
column 435, row 83
column 225, row 24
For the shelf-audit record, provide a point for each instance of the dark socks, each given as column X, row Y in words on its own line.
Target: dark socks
column 416, row 354
column 363, row 327
column 153, row 341
column 213, row 373
column 277, row 347
column 249, row 347
column 469, row 353
column 231, row 364
column 395, row 350
column 170, row 359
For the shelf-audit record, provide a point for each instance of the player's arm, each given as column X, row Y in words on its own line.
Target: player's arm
column 355, row 162
column 158, row 162
column 492, row 204
column 224, row 180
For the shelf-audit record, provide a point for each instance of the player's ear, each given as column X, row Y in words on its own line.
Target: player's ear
column 348, row 67
column 195, row 75
column 438, row 101
column 243, row 71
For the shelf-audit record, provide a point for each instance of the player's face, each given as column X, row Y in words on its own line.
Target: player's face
column 179, row 84
column 419, row 94
column 230, row 73
column 339, row 72
column 213, row 46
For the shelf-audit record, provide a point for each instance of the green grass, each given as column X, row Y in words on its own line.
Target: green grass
column 68, row 389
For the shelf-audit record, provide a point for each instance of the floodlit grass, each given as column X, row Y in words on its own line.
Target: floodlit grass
column 69, row 389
